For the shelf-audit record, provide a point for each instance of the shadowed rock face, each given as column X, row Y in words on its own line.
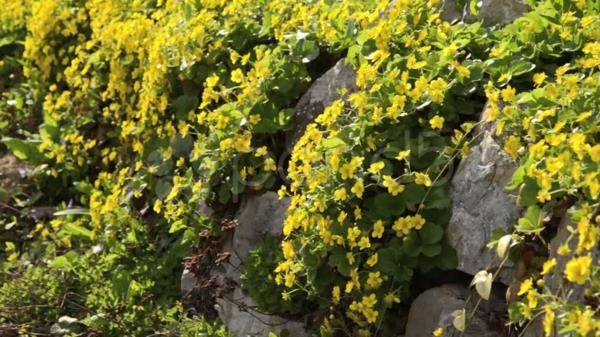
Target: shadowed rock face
column 433, row 309
column 258, row 215
column 320, row 95
column 490, row 11
column 481, row 205
column 12, row 171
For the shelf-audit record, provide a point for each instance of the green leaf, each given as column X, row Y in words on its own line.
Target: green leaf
column 61, row 262
column 431, row 233
column 177, row 226
column 385, row 205
column 532, row 222
column 432, row 250
column 529, row 192
column 74, row 229
column 73, row 211
column 338, row 260
column 184, row 104
column 474, row 6
column 332, row 143
column 24, row 150
column 387, row 262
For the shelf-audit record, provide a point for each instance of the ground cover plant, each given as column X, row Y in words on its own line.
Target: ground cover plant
column 131, row 118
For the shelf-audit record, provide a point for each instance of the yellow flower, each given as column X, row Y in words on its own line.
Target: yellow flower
column 543, row 196
column 374, row 280
column 353, row 233
column 270, row 165
column 548, row 266
column 578, row 269
column 378, row 229
column 437, row 122
column 371, row 261
column 350, row 258
column 261, row 151
column 237, row 76
column 594, row 152
column 403, row 155
column 335, row 294
column 525, row 287
column 554, row 164
column 289, row 280
column 358, row 188
column 437, row 90
column 157, row 206
column 392, row 185
column 12, row 257
column 563, row 250
column 532, row 298
column 288, row 250
column 508, row 94
column 411, row 63
column 340, row 194
column 512, row 146
column 438, row 332
column 364, row 243
column 390, row 299
column 422, row 179
column 342, row 216
column 539, row 78
column 376, row 167
column 585, row 321
column 548, row 320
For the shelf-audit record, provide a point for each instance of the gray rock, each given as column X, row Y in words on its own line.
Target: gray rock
column 481, row 205
column 490, row 11
column 12, row 171
column 258, row 214
column 320, row 95
column 433, row 309
column 188, row 282
column 236, row 311
column 555, row 280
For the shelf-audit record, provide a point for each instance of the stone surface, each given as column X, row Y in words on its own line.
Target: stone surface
column 491, row 11
column 321, row 93
column 235, row 310
column 258, row 214
column 481, row 205
column 433, row 309
column 555, row 280
column 12, row 171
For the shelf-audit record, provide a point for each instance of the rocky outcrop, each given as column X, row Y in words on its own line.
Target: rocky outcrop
column 490, row 11
column 481, row 205
column 12, row 171
column 258, row 214
column 434, row 309
column 321, row 94
column 555, row 281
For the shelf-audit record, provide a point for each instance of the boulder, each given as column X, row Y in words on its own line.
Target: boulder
column 258, row 214
column 236, row 311
column 433, row 309
column 481, row 205
column 321, row 94
column 490, row 11
column 12, row 171
column 555, row 280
